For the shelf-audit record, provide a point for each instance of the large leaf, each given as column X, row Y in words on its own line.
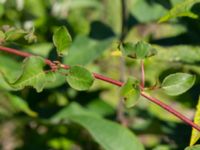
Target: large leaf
column 33, row 74
column 195, row 147
column 85, row 50
column 178, row 83
column 79, row 78
column 110, row 135
column 130, row 91
column 196, row 134
column 179, row 53
column 62, row 40
column 180, row 10
column 153, row 10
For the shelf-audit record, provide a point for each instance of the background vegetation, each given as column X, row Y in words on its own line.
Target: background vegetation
column 41, row 121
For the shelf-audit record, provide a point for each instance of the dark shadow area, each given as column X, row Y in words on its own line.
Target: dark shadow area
column 131, row 22
column 165, row 3
column 190, row 38
column 196, row 9
column 100, row 31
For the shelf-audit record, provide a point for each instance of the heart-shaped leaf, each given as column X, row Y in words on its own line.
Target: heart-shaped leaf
column 62, row 40
column 79, row 78
column 140, row 50
column 131, row 92
column 178, row 83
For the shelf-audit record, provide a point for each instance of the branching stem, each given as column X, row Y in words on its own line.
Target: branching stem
column 114, row 82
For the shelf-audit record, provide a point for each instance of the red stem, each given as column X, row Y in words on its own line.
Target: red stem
column 142, row 75
column 114, row 82
column 171, row 110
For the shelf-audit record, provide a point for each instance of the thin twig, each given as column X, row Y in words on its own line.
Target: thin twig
column 114, row 82
column 171, row 110
column 142, row 74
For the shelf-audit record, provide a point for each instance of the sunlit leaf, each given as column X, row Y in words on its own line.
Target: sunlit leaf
column 196, row 134
column 79, row 78
column 131, row 92
column 62, row 40
column 178, row 83
column 181, row 9
column 195, row 147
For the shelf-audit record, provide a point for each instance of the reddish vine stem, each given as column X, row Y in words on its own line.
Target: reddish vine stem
column 114, row 82
column 142, row 75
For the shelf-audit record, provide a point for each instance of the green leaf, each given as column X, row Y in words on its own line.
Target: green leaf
column 153, row 10
column 196, row 134
column 85, row 50
column 140, row 50
column 178, row 83
column 195, row 147
column 79, row 78
column 180, row 10
column 62, row 40
column 20, row 105
column 85, row 3
column 41, row 49
column 180, row 53
column 33, row 74
column 14, row 34
column 110, row 135
column 131, row 92
column 2, row 37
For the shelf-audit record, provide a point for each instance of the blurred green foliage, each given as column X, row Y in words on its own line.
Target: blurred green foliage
column 61, row 118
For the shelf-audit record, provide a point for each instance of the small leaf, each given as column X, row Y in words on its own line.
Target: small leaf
column 195, row 147
column 196, row 134
column 178, row 83
column 80, row 78
column 140, row 50
column 180, row 10
column 131, row 92
column 62, row 40
column 33, row 74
